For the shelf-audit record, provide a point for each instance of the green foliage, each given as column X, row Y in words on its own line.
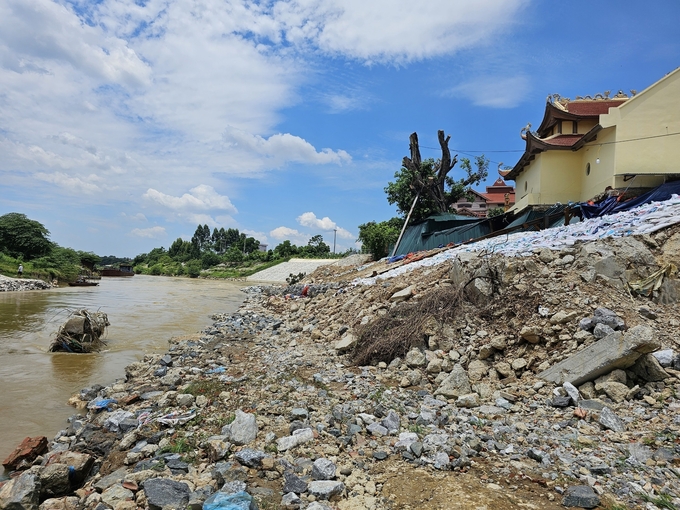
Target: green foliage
column 495, row 211
column 23, row 238
column 377, row 237
column 294, row 278
column 193, row 268
column 402, row 191
column 661, row 501
column 89, row 259
column 208, row 388
column 209, row 259
column 285, row 249
column 316, row 246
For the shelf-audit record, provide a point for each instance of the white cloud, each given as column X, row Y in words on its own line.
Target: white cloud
column 260, row 236
column 200, row 198
column 283, row 148
column 150, row 233
column 73, row 185
column 493, row 91
column 290, row 234
column 310, row 220
column 395, row 30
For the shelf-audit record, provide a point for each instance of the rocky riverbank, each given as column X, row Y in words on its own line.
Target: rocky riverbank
column 444, row 386
column 8, row 284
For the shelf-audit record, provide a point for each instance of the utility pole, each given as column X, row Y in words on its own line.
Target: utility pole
column 335, row 233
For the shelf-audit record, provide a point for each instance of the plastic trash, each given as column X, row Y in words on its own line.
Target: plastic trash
column 176, row 418
column 223, row 501
column 217, row 370
column 101, row 403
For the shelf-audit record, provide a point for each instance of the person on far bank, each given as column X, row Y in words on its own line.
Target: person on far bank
column 20, row 270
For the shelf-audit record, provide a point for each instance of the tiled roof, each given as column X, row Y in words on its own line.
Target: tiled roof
column 498, row 198
column 563, row 140
column 596, row 107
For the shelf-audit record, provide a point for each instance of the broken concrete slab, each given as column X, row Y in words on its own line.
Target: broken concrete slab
column 402, row 295
column 614, row 351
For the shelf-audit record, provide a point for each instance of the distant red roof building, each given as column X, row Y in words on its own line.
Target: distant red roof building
column 499, row 194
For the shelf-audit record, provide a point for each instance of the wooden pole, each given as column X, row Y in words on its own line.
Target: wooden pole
column 405, row 223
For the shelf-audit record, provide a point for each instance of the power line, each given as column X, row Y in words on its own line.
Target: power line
column 641, row 138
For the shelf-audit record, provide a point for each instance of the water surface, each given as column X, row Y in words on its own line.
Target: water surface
column 144, row 312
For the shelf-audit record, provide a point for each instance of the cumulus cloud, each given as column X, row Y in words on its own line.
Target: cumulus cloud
column 150, row 233
column 310, row 220
column 493, row 91
column 383, row 31
column 284, row 147
column 200, row 198
column 73, row 185
column 289, row 234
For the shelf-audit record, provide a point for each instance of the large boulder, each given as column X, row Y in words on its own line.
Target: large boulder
column 456, row 384
column 21, row 493
column 614, row 351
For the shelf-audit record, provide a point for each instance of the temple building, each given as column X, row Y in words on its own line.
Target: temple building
column 591, row 144
column 499, row 194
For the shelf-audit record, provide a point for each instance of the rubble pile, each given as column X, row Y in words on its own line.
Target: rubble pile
column 549, row 385
column 8, row 284
column 81, row 333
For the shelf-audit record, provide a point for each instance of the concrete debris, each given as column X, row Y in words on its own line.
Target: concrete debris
column 513, row 394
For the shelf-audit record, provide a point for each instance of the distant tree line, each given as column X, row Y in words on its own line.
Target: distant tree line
column 27, row 242
column 220, row 247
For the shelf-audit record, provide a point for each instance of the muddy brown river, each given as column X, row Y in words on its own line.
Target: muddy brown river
column 144, row 312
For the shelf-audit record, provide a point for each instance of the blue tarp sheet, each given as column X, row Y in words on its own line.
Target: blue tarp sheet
column 611, row 205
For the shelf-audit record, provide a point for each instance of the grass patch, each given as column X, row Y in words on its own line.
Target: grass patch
column 661, row 501
column 404, row 327
column 179, row 445
column 209, row 389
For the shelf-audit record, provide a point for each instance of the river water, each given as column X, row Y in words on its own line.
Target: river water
column 144, row 312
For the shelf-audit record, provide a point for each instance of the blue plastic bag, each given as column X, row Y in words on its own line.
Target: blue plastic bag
column 235, row 501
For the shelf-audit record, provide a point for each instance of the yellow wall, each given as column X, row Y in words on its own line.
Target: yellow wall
column 654, row 112
column 560, row 175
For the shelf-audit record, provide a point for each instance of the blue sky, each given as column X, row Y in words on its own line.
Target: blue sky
column 124, row 124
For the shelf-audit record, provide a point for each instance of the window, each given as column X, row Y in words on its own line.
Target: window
column 525, row 185
column 482, row 206
column 588, row 169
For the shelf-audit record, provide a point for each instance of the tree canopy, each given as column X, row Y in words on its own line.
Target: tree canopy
column 430, row 180
column 23, row 238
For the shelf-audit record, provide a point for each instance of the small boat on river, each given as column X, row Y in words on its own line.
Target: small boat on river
column 83, row 282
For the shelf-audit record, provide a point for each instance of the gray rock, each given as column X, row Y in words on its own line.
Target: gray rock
column 325, row 489
column 402, row 295
column 608, row 318
column 299, row 413
column 163, row 493
column 323, row 469
column 293, row 483
column 615, row 390
column 586, row 324
column 647, row 313
column 392, row 422
column 54, row 481
column 592, row 404
column 377, row 430
column 249, row 457
column 609, row 420
column 243, row 430
column 117, row 493
column 649, row 369
column 601, row 331
column 664, row 357
column 470, row 400
column 456, row 384
column 298, row 437
column 346, row 343
column 581, row 496
column 198, row 497
column 107, row 481
column 415, row 358
column 21, row 493
column 417, row 448
column 291, row 500
column 477, row 370
column 639, row 454
column 615, row 351
column 572, row 391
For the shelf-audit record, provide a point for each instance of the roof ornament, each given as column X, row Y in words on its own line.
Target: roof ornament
column 523, row 132
column 621, row 95
column 633, row 92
